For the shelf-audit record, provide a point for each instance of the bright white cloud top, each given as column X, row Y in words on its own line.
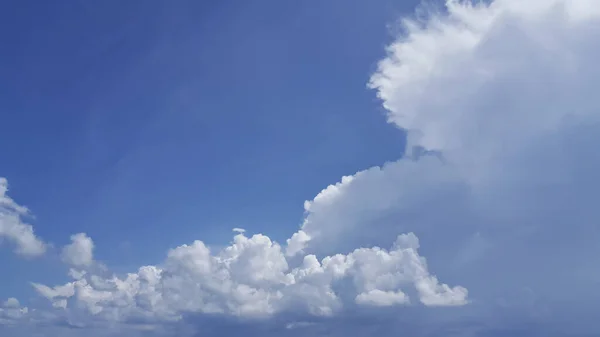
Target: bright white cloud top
column 500, row 183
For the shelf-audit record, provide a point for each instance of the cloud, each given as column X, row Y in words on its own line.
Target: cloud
column 80, row 253
column 14, row 229
column 498, row 189
column 500, row 177
column 251, row 278
column 11, row 311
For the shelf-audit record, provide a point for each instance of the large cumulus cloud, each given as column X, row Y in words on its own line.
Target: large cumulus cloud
column 499, row 184
column 499, row 104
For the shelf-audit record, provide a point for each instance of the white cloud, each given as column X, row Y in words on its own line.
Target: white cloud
column 252, row 278
column 381, row 298
column 80, row 252
column 11, row 311
column 11, row 303
column 297, row 243
column 14, row 229
column 499, row 101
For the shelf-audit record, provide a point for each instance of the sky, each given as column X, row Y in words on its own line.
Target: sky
column 127, row 119
column 326, row 168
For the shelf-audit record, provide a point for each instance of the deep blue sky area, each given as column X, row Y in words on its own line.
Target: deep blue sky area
column 149, row 124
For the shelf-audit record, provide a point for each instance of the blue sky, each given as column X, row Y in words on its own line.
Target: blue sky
column 384, row 166
column 148, row 124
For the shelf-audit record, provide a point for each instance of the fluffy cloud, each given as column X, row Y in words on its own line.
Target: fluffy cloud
column 252, row 278
column 14, row 229
column 499, row 183
column 80, row 253
column 500, row 177
column 11, row 311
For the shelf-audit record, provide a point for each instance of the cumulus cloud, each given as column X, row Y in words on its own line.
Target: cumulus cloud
column 14, row 229
column 499, row 184
column 251, row 278
column 80, row 252
column 11, row 311
column 500, row 181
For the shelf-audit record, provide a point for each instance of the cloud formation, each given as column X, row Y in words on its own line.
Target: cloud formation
column 12, row 227
column 499, row 183
column 500, row 174
column 11, row 311
column 251, row 278
column 80, row 253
